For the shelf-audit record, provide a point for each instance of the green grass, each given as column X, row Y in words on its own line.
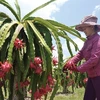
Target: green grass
column 77, row 95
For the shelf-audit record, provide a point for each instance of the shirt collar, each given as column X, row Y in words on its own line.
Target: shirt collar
column 90, row 37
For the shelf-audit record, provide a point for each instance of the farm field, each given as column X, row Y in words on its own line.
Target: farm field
column 77, row 95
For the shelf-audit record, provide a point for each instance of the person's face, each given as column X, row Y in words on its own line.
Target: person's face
column 88, row 30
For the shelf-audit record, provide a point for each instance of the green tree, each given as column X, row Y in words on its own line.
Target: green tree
column 26, row 53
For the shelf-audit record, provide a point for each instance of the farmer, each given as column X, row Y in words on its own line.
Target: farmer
column 91, row 53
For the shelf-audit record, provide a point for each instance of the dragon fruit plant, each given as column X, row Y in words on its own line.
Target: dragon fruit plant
column 26, row 58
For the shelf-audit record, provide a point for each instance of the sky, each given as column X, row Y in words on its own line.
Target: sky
column 68, row 12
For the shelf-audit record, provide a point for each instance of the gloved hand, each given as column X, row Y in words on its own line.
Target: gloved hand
column 64, row 69
column 75, row 69
column 70, row 65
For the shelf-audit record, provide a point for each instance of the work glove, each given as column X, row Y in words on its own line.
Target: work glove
column 70, row 65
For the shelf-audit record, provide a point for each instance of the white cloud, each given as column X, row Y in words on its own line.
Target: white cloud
column 28, row 5
column 96, row 10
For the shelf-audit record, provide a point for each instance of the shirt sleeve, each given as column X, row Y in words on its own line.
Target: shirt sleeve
column 94, row 59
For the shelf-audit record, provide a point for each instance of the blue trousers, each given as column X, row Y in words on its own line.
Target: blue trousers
column 92, row 91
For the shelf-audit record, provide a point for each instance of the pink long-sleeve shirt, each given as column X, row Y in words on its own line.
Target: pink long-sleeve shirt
column 91, row 53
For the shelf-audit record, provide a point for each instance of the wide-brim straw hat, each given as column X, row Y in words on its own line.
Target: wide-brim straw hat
column 88, row 21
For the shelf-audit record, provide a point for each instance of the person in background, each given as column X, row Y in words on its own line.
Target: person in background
column 91, row 53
